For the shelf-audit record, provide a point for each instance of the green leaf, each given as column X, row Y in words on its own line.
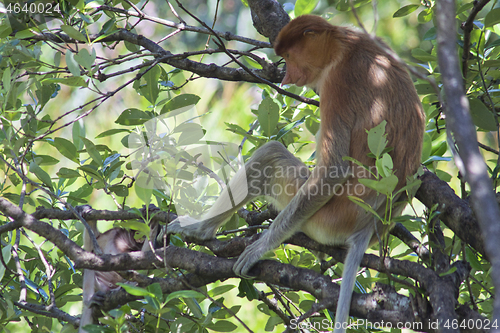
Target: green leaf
column 385, row 185
column 155, row 288
column 72, row 64
column 119, row 190
column 191, row 133
column 246, row 288
column 492, row 63
column 141, row 227
column 81, row 193
column 492, row 18
column 66, row 148
column 78, row 131
column 436, row 159
column 132, row 117
column 112, row 132
column 355, row 161
column 269, row 115
column 303, row 7
column 405, row 10
column 377, row 139
column 362, row 204
column 224, row 314
column 472, row 259
column 40, row 174
column 72, row 81
column 67, row 173
column 143, row 193
column 411, row 187
column 45, row 160
column 425, row 15
column 422, row 55
column 110, row 159
column 492, row 45
column 6, row 30
column 6, row 78
column 150, row 90
column 431, row 34
column 92, row 151
column 90, row 170
column 426, row 147
column 73, row 33
column 481, row 116
column 282, row 132
column 183, row 294
column 134, row 290
column 222, row 326
column 384, row 165
column 57, row 59
column 44, row 93
column 6, row 254
column 450, row 271
column 180, row 104
column 220, row 290
column 272, row 322
column 465, row 7
column 131, row 47
column 194, row 307
column 86, row 59
column 312, row 125
column 424, row 89
column 105, row 35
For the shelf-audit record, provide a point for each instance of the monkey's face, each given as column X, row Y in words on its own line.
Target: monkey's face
column 298, row 70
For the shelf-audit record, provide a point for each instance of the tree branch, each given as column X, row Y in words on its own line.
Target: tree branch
column 459, row 121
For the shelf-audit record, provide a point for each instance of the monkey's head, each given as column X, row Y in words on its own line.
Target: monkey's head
column 308, row 44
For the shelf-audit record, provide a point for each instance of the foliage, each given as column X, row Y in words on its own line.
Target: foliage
column 91, row 115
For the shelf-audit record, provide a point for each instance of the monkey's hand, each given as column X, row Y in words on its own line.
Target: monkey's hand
column 249, row 257
column 188, row 226
column 98, row 299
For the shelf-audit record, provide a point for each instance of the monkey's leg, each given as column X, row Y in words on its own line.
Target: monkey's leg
column 272, row 172
column 357, row 245
column 371, row 230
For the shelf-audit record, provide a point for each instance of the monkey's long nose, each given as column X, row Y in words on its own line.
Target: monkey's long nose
column 287, row 79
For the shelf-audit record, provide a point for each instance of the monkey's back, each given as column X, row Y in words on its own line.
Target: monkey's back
column 365, row 88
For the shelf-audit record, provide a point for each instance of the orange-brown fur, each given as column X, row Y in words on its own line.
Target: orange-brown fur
column 360, row 68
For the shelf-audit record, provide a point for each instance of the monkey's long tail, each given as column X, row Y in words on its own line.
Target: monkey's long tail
column 358, row 244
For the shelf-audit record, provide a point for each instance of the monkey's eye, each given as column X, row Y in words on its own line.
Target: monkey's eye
column 287, row 55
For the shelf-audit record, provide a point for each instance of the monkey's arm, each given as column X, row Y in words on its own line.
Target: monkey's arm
column 314, row 193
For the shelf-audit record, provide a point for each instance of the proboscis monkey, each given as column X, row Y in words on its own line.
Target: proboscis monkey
column 113, row 241
column 359, row 87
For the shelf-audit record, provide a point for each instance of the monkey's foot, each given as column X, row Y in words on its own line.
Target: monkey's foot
column 248, row 258
column 188, row 226
column 98, row 299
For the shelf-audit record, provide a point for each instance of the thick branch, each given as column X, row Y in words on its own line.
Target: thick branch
column 455, row 212
column 271, row 73
column 70, row 248
column 268, row 17
column 459, row 121
column 443, row 291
